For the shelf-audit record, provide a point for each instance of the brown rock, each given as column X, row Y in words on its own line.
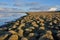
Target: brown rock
column 20, row 33
column 14, row 26
column 31, row 27
column 48, row 35
column 34, row 24
column 41, row 20
column 31, row 34
column 50, row 23
column 13, row 37
column 24, row 38
column 16, row 23
column 28, row 30
column 42, row 28
column 3, row 37
column 42, row 24
column 12, row 32
column 22, row 25
column 55, row 21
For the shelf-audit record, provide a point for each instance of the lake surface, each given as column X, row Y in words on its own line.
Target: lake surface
column 6, row 17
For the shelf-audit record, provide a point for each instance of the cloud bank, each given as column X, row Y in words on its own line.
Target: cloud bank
column 52, row 9
column 23, row 6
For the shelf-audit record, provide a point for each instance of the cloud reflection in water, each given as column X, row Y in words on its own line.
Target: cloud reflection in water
column 6, row 17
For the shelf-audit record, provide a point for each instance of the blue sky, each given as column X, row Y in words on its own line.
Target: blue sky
column 27, row 5
column 9, row 8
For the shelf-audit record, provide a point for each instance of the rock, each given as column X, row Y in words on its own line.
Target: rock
column 21, row 25
column 38, row 21
column 50, row 23
column 47, row 36
column 9, row 28
column 58, row 31
column 14, row 37
column 37, row 18
column 51, row 27
column 34, row 24
column 57, row 28
column 14, row 26
column 27, row 19
column 55, row 21
column 16, row 23
column 3, row 37
column 42, row 28
column 12, row 32
column 31, row 35
column 41, row 20
column 20, row 33
column 22, row 21
column 1, row 29
column 24, row 38
column 49, row 32
column 32, row 28
column 58, row 34
column 42, row 24
column 28, row 30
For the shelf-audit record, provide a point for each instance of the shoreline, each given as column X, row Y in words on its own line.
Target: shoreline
column 1, row 26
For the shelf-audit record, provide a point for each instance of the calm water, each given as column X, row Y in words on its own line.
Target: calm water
column 6, row 17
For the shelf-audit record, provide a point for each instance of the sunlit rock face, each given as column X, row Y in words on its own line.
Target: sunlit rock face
column 34, row 26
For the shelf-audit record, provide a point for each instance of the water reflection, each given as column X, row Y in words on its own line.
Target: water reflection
column 6, row 17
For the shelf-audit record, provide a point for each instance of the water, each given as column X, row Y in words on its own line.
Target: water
column 6, row 17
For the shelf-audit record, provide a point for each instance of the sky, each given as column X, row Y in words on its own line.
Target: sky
column 29, row 5
column 10, row 9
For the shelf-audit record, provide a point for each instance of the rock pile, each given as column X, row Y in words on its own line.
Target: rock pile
column 35, row 27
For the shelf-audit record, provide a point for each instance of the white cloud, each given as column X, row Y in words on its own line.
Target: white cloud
column 6, row 15
column 2, row 9
column 26, row 4
column 53, row 9
column 1, row 15
column 12, row 10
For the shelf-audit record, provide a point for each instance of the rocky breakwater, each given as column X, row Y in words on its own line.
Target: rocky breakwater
column 34, row 26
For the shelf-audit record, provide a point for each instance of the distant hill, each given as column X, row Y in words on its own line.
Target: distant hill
column 44, row 13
